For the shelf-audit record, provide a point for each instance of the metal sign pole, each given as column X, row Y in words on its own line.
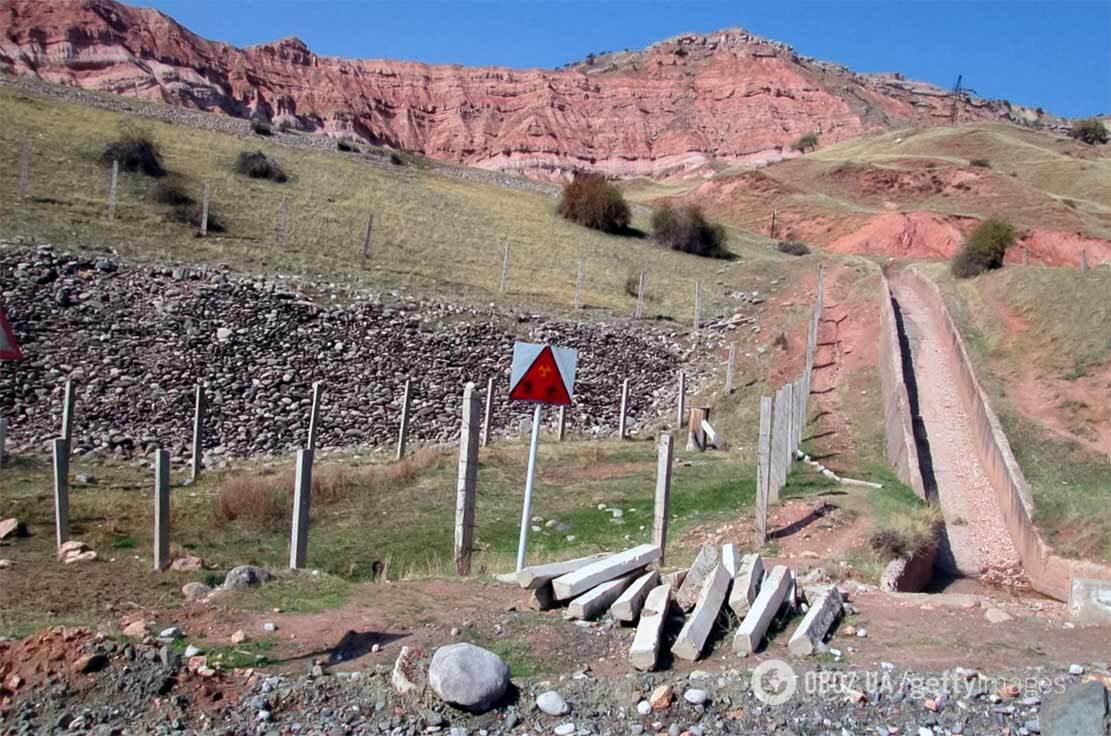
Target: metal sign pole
column 528, row 487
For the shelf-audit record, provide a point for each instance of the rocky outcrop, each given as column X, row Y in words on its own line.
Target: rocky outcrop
column 668, row 110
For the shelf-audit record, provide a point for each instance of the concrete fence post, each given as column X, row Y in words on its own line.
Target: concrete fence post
column 403, row 431
column 771, row 230
column 281, row 229
column 488, row 414
column 61, row 491
column 763, row 470
column 198, row 431
column 730, row 362
column 302, row 503
column 1084, row 259
column 663, row 494
column 467, row 481
column 1025, row 255
column 366, row 239
column 639, row 312
column 697, row 305
column 579, row 286
column 161, row 510
column 3, row 440
column 681, row 408
column 314, row 416
column 67, row 413
column 112, row 190
column 778, row 472
column 25, row 169
column 562, row 423
column 621, row 429
column 204, row 211
column 504, row 268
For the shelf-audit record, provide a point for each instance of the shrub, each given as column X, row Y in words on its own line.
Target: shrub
column 793, row 248
column 1090, row 131
column 593, row 202
column 632, row 285
column 984, row 248
column 136, row 152
column 190, row 214
column 982, row 163
column 1070, row 203
column 346, row 147
column 396, row 160
column 258, row 165
column 287, row 126
column 687, row 230
column 168, row 191
column 261, row 127
column 805, row 142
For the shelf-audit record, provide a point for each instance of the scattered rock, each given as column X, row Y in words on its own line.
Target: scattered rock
column 246, row 576
column 90, row 663
column 408, row 671
column 12, row 528
column 1081, row 709
column 468, row 676
column 565, row 729
column 195, row 591
column 997, row 616
column 238, row 637
column 552, row 703
column 189, row 563
column 695, row 696
column 660, row 699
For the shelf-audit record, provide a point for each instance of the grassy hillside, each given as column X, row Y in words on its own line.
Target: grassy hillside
column 1041, row 341
column 432, row 233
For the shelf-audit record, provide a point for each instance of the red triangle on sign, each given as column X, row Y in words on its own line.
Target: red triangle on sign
column 9, row 346
column 542, row 382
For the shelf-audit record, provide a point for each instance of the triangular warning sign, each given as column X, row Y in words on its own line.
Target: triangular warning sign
column 9, row 346
column 542, row 382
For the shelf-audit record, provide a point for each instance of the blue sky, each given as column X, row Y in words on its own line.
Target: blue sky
column 1056, row 55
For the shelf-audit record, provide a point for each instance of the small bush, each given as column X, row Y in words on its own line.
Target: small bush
column 793, row 248
column 1070, row 203
column 1090, row 131
column 261, row 127
column 981, row 163
column 593, row 202
column 258, row 165
column 168, row 191
column 687, row 230
column 190, row 214
column 346, row 147
column 136, row 152
column 287, row 126
column 632, row 285
column 806, row 142
column 984, row 248
column 888, row 544
column 396, row 160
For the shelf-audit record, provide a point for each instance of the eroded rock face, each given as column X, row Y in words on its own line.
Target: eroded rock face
column 665, row 111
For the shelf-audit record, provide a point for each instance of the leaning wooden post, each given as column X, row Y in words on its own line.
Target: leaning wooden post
column 682, row 404
column 314, row 416
column 67, row 413
column 663, row 494
column 161, row 510
column 467, row 480
column 771, row 230
column 25, row 169
column 198, row 431
column 624, row 409
column 3, row 440
column 697, row 305
column 562, row 422
column 204, row 211
column 763, row 471
column 302, row 502
column 403, row 431
column 366, row 239
column 504, row 268
column 61, row 491
column 488, row 414
column 579, row 286
column 640, row 296
column 112, row 190
column 729, row 369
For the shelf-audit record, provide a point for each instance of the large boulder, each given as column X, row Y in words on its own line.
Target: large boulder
column 469, row 677
column 1079, row 710
column 246, row 576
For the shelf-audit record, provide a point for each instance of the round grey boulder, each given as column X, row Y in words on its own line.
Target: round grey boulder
column 467, row 676
column 552, row 703
column 246, row 576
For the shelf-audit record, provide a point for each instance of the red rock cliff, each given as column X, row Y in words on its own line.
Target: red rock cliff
column 668, row 110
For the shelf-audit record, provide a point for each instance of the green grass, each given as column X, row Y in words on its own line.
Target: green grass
column 253, row 653
column 297, row 593
column 433, row 234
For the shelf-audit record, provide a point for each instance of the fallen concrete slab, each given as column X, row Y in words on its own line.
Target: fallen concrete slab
column 708, row 558
column 674, row 579
column 1090, row 601
column 746, row 584
column 712, row 436
column 762, row 611
column 578, row 582
column 692, row 638
column 627, row 607
column 730, row 558
column 811, row 632
column 593, row 602
column 646, row 643
column 533, row 577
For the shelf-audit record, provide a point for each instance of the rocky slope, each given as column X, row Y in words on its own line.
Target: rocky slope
column 670, row 109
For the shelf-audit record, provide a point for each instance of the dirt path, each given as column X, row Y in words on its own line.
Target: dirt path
column 976, row 541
